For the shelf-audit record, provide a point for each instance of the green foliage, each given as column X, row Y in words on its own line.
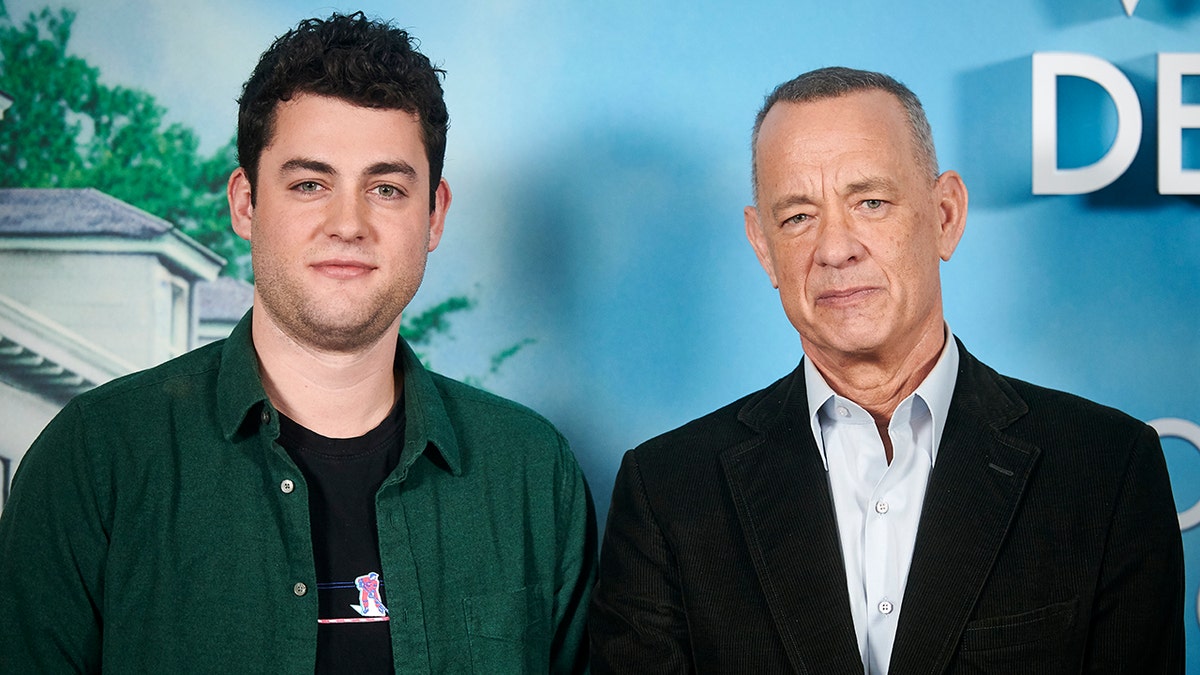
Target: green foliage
column 420, row 330
column 67, row 129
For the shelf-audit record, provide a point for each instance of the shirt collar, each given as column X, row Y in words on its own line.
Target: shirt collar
column 935, row 390
column 242, row 402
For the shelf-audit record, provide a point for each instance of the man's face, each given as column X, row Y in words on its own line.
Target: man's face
column 850, row 226
column 341, row 225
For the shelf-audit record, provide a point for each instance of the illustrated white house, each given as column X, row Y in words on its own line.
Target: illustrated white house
column 92, row 288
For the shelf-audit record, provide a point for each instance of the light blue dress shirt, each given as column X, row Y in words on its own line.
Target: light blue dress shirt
column 878, row 506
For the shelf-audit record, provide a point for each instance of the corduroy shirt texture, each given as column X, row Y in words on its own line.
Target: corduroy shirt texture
column 157, row 525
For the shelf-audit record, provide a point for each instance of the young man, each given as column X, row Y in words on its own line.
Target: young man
column 892, row 505
column 304, row 495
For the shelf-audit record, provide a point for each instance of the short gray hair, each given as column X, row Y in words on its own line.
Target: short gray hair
column 832, row 82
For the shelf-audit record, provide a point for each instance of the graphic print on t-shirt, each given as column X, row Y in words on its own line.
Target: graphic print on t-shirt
column 367, row 589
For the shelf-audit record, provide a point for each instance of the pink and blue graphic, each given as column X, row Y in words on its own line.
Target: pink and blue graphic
column 369, row 601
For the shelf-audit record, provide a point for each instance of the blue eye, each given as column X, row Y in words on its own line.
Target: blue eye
column 873, row 203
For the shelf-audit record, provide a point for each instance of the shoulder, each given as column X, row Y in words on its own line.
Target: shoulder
column 1021, row 407
column 473, row 408
column 1074, row 436
column 701, row 441
column 1062, row 418
column 178, row 377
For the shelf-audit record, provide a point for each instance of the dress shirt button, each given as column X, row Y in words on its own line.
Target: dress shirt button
column 300, row 589
column 287, row 486
column 885, row 606
column 881, row 507
column 266, row 416
column 842, row 411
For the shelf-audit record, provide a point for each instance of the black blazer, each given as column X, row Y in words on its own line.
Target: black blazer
column 1048, row 543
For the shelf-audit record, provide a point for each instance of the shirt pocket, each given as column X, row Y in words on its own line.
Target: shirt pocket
column 507, row 631
column 1039, row 636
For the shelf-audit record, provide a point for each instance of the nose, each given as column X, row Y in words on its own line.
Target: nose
column 346, row 217
column 838, row 244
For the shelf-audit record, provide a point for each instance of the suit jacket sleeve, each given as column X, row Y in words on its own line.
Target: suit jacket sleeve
column 1137, row 620
column 637, row 619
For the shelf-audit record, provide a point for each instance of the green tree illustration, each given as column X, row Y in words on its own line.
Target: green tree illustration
column 68, row 129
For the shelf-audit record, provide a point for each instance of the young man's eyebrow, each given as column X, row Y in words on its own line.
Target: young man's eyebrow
column 305, row 164
column 399, row 166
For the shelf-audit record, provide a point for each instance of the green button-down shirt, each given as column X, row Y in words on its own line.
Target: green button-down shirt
column 157, row 525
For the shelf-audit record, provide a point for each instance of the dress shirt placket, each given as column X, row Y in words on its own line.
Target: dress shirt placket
column 891, row 512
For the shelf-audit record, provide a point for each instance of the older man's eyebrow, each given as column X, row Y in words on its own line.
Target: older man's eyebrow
column 790, row 201
column 874, row 184
column 385, row 168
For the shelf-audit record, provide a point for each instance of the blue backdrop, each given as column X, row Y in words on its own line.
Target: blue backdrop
column 599, row 159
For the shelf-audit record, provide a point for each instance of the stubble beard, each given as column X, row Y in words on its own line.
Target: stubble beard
column 329, row 323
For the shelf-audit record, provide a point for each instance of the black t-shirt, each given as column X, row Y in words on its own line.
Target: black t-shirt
column 343, row 475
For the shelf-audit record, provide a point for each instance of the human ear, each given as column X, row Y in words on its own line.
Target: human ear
column 241, row 202
column 437, row 216
column 952, row 212
column 758, row 240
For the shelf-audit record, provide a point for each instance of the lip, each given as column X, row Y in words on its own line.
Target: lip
column 342, row 268
column 840, row 297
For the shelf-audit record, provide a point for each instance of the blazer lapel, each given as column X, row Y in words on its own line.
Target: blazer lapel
column 781, row 495
column 974, row 490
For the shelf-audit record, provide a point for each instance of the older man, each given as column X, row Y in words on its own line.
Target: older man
column 304, row 496
column 892, row 505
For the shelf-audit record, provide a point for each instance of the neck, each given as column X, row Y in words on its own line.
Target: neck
column 879, row 382
column 335, row 394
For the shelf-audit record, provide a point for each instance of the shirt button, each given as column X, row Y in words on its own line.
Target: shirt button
column 885, row 606
column 842, row 411
column 300, row 589
column 266, row 416
column 881, row 507
column 287, row 486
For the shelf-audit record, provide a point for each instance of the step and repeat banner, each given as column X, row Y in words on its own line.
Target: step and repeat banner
column 594, row 264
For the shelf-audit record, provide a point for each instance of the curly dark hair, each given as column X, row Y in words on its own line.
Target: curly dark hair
column 366, row 62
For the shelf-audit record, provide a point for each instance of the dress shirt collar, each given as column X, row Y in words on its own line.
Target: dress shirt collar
column 935, row 391
column 241, row 397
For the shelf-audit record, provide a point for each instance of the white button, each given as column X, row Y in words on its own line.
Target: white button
column 842, row 411
column 885, row 607
column 287, row 486
column 299, row 589
column 881, row 507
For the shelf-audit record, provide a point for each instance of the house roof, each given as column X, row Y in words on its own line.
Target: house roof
column 223, row 299
column 86, row 219
column 40, row 212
